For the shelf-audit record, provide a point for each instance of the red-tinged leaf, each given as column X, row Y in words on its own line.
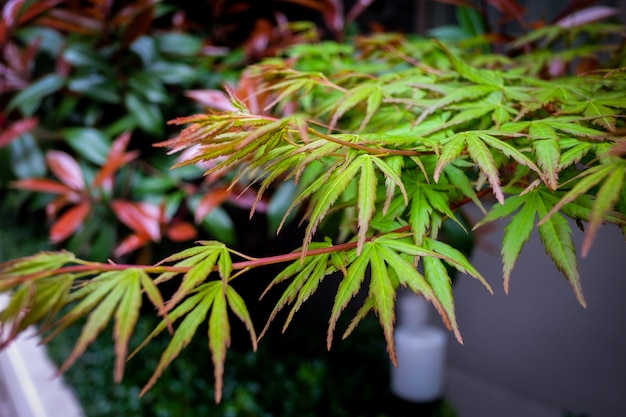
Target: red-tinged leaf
column 54, row 207
column 139, row 26
column 556, row 235
column 116, row 159
column 181, row 232
column 106, row 173
column 588, row 15
column 548, row 155
column 588, row 179
column 619, row 149
column 259, row 39
column 126, row 317
column 333, row 16
column 36, row 8
column 358, row 8
column 450, row 151
column 214, row 99
column 68, row 21
column 15, row 129
column 131, row 243
column 10, row 12
column 69, row 222
column 44, row 185
column 143, row 218
column 480, row 153
column 214, row 198
column 440, row 282
column 219, row 340
column 66, row 169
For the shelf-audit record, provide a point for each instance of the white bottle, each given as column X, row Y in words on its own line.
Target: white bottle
column 421, row 352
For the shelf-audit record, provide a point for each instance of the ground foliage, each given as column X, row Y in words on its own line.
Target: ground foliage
column 383, row 139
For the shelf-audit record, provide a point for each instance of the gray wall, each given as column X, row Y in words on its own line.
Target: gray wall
column 538, row 340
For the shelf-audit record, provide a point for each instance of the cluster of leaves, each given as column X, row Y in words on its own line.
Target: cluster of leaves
column 82, row 82
column 386, row 140
column 419, row 142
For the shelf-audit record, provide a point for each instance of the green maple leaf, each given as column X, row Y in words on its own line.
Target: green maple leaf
column 215, row 296
column 610, row 178
column 555, row 234
column 113, row 294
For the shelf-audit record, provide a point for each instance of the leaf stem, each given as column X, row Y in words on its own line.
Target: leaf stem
column 249, row 263
column 357, row 146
